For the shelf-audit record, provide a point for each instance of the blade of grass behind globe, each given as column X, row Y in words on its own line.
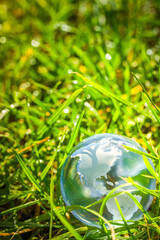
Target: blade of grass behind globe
column 124, row 220
column 110, row 94
column 73, row 137
column 56, row 114
column 151, row 169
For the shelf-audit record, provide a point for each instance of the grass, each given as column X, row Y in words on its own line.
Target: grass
column 69, row 70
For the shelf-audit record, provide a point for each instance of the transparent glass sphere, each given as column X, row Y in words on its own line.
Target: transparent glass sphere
column 96, row 166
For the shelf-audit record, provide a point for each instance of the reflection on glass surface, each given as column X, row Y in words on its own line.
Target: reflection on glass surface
column 95, row 167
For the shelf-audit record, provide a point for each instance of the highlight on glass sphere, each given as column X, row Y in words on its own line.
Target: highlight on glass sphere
column 96, row 166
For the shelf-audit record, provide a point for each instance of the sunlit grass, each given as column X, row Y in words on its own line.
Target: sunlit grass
column 69, row 70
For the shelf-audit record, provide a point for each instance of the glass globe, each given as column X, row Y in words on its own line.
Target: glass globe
column 96, row 166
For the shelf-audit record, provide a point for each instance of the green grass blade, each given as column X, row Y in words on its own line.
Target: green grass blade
column 51, row 206
column 151, row 108
column 48, row 166
column 21, row 207
column 85, row 58
column 41, row 218
column 67, row 224
column 19, row 195
column 101, row 128
column 36, row 101
column 141, row 153
column 151, row 169
column 124, row 220
column 140, row 83
column 11, row 224
column 107, row 93
column 149, row 218
column 55, row 115
column 139, row 205
column 146, row 142
column 104, row 220
column 73, row 137
column 27, row 171
column 69, row 234
column 148, row 165
column 154, row 193
column 27, row 115
column 110, row 195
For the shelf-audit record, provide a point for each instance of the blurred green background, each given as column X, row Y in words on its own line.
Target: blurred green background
column 41, row 43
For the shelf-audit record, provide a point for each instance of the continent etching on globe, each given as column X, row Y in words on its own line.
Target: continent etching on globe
column 98, row 165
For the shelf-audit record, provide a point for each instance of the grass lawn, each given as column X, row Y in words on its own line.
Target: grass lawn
column 68, row 70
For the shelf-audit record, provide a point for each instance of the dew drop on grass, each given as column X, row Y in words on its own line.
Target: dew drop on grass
column 35, row 43
column 66, row 110
column 4, row 111
column 75, row 81
column 3, row 40
column 108, row 56
column 95, row 167
column 12, row 105
column 70, row 71
column 149, row 52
